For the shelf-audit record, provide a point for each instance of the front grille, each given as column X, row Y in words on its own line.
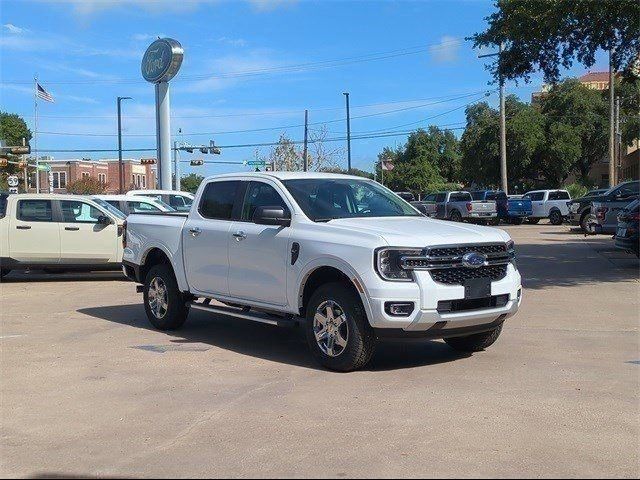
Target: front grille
column 457, row 276
column 462, row 249
column 449, row 306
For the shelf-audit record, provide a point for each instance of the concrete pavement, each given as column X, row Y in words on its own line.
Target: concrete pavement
column 88, row 388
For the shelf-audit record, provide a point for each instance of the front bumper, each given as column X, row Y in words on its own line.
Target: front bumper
column 425, row 293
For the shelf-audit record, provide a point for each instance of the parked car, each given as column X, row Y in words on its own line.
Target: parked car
column 460, row 206
column 56, row 232
column 181, row 201
column 627, row 234
column 408, row 196
column 551, row 204
column 582, row 212
column 607, row 207
column 284, row 247
column 135, row 204
column 511, row 209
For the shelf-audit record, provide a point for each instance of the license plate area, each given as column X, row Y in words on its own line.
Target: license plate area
column 477, row 288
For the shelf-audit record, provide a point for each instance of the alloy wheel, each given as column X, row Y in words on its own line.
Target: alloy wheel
column 331, row 328
column 158, row 297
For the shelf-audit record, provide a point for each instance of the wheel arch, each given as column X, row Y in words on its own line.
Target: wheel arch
column 153, row 256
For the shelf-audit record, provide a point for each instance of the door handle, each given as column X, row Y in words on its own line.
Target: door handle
column 195, row 231
column 240, row 235
column 23, row 227
column 72, row 229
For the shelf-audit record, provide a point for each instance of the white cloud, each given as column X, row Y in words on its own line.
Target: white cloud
column 146, row 37
column 11, row 28
column 268, row 5
column 234, row 42
column 447, row 50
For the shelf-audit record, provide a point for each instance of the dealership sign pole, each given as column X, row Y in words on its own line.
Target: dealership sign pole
column 161, row 63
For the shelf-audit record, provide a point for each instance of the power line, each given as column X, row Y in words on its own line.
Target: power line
column 301, row 67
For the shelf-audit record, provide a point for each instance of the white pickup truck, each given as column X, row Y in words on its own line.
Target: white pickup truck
column 341, row 254
column 59, row 232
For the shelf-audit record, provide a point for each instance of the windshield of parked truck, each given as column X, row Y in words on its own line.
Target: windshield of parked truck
column 110, row 208
column 324, row 199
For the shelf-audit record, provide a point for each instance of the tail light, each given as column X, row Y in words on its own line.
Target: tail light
column 469, row 207
column 601, row 212
column 124, row 234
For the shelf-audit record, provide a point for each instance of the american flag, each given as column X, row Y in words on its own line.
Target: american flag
column 43, row 94
column 387, row 165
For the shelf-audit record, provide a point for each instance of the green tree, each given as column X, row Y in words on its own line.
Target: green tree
column 548, row 35
column 12, row 130
column 87, row 186
column 191, row 182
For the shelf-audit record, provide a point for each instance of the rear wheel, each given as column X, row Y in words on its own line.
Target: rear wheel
column 475, row 343
column 455, row 216
column 555, row 217
column 338, row 332
column 587, row 219
column 163, row 301
column 494, row 222
column 516, row 220
column 533, row 221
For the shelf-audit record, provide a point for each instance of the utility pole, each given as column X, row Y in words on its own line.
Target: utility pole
column 612, row 127
column 618, row 142
column 176, row 164
column 503, row 122
column 346, row 94
column 120, row 172
column 305, row 159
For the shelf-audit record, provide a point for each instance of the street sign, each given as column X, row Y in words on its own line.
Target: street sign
column 13, row 189
column 162, row 60
column 12, row 181
column 45, row 167
column 258, row 163
column 21, row 150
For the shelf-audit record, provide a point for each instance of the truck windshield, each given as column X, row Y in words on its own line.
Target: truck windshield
column 324, row 199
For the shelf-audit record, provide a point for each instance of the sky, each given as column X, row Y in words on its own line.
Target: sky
column 251, row 68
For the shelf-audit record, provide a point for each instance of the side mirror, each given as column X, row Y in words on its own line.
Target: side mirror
column 104, row 220
column 272, row 216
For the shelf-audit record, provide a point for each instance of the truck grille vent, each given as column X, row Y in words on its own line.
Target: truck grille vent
column 461, row 250
column 457, row 276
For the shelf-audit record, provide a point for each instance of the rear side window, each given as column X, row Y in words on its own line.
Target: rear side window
column 477, row 195
column 563, row 195
column 218, row 199
column 441, row 197
column 142, row 207
column 35, row 211
column 460, row 197
column 260, row 195
column 627, row 190
column 536, row 196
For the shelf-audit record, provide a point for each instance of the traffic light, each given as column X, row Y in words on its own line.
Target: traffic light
column 196, row 163
column 213, row 149
column 21, row 150
column 190, row 150
column 3, row 162
column 147, row 161
column 204, row 150
column 23, row 164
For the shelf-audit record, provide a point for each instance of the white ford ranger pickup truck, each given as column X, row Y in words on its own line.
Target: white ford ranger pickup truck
column 342, row 255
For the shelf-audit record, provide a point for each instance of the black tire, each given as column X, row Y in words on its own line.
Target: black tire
column 585, row 220
column 361, row 340
column 533, row 221
column 494, row 222
column 516, row 221
column 555, row 217
column 474, row 343
column 455, row 216
column 175, row 313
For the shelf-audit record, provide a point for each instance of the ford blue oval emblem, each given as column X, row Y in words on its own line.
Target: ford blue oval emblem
column 474, row 260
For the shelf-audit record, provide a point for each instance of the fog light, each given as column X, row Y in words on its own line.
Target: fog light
column 398, row 309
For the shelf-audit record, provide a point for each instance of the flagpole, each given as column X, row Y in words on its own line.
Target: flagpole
column 35, row 131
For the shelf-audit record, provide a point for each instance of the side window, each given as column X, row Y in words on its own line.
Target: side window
column 441, row 197
column 114, row 203
column 627, row 190
column 218, row 199
column 74, row 211
column 35, row 211
column 142, row 207
column 563, row 195
column 260, row 194
column 176, row 201
column 536, row 196
column 477, row 195
column 430, row 198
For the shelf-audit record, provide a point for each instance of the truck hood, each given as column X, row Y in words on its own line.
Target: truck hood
column 421, row 231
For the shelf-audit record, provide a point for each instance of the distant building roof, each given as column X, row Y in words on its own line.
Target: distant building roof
column 595, row 77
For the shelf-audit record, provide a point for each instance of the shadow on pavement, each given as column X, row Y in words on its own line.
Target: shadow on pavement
column 283, row 345
column 40, row 276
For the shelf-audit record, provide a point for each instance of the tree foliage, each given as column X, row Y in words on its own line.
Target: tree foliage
column 549, row 35
column 88, row 186
column 191, row 182
column 12, row 130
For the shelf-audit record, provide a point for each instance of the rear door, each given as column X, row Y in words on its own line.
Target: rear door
column 205, row 237
column 537, row 204
column 34, row 233
column 441, row 205
column 82, row 239
column 258, row 254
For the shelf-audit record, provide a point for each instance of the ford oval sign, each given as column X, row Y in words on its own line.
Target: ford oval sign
column 162, row 60
column 474, row 260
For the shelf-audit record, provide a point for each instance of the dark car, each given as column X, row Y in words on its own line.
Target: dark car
column 512, row 209
column 627, row 236
column 580, row 209
column 408, row 196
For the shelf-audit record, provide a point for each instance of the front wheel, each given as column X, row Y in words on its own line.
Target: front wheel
column 338, row 332
column 533, row 221
column 586, row 220
column 555, row 217
column 163, row 301
column 474, row 343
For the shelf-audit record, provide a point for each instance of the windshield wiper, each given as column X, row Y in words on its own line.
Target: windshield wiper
column 323, row 220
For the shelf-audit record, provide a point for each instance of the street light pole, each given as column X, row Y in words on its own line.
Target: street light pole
column 346, row 94
column 120, row 173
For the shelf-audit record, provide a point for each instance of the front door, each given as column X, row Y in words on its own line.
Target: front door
column 205, row 238
column 537, row 204
column 259, row 254
column 34, row 235
column 84, row 240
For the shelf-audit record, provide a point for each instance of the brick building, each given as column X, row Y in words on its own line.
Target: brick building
column 63, row 172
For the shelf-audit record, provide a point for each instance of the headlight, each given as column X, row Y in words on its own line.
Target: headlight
column 388, row 265
column 511, row 250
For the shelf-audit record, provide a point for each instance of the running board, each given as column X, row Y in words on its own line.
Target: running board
column 259, row 317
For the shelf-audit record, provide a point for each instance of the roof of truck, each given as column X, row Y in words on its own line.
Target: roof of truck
column 287, row 175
